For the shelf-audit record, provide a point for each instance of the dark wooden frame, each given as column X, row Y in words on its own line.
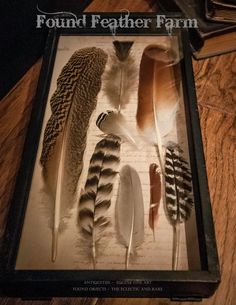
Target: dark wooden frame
column 182, row 285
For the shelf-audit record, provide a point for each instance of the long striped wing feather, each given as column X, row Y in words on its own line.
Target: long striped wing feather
column 179, row 197
column 95, row 199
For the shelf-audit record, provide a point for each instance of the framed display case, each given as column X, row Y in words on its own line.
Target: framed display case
column 111, row 197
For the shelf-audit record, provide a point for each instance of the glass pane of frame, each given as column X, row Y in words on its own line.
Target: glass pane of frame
column 112, row 185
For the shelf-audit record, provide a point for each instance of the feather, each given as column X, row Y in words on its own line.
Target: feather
column 122, row 49
column 155, row 196
column 65, row 135
column 114, row 123
column 120, row 79
column 158, row 95
column 179, row 197
column 130, row 211
column 95, row 199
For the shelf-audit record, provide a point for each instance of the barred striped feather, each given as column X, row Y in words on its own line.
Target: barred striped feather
column 95, row 199
column 178, row 178
column 179, row 197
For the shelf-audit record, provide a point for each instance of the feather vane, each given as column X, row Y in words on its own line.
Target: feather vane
column 95, row 198
column 120, row 79
column 155, row 196
column 158, row 96
column 65, row 133
column 179, row 200
column 114, row 123
column 130, row 211
column 179, row 197
column 122, row 49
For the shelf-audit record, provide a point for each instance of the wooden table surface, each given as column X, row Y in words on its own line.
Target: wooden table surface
column 216, row 92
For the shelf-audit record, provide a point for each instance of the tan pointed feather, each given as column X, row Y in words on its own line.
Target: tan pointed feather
column 130, row 211
column 158, row 95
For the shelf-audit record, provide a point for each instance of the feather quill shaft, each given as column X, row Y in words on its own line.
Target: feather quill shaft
column 58, row 204
column 157, row 96
column 65, row 133
column 95, row 199
column 130, row 211
column 155, row 196
column 179, row 197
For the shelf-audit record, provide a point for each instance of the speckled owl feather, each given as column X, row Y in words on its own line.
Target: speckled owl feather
column 65, row 134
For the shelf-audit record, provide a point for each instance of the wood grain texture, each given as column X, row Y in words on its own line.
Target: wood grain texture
column 119, row 5
column 216, row 91
column 15, row 111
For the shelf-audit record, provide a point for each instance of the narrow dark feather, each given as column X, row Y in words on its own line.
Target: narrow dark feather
column 155, row 196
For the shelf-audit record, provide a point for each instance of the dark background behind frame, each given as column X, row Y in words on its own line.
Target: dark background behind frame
column 21, row 43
